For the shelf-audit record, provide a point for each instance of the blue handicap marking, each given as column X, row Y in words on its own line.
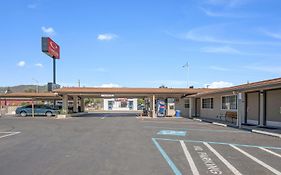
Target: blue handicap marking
column 171, row 132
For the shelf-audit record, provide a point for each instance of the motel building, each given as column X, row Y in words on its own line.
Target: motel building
column 257, row 103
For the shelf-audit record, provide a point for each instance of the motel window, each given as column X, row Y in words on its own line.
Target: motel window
column 207, row 103
column 124, row 104
column 186, row 103
column 229, row 102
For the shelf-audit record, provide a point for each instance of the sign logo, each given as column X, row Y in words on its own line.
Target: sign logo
column 50, row 48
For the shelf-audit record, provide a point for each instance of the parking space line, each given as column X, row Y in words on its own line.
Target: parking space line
column 273, row 170
column 202, row 130
column 231, row 167
column 167, row 158
column 8, row 134
column 271, row 152
column 189, row 158
column 221, row 143
column 169, row 122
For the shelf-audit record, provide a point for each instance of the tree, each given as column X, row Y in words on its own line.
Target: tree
column 163, row 86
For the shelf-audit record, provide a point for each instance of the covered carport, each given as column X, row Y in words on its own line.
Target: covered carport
column 79, row 94
column 32, row 97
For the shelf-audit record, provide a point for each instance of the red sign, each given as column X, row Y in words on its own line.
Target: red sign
column 50, row 47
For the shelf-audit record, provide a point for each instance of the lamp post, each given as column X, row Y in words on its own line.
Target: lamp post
column 37, row 85
column 187, row 69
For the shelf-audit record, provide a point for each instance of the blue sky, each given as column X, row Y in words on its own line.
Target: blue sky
column 141, row 43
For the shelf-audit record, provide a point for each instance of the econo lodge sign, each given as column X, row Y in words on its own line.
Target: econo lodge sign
column 50, row 48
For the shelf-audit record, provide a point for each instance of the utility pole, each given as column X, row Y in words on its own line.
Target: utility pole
column 79, row 83
column 37, row 84
column 187, row 69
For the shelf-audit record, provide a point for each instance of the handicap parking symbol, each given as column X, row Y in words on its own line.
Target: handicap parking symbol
column 172, row 132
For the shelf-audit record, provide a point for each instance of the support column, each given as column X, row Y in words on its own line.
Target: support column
column 75, row 104
column 65, row 104
column 240, row 109
column 82, row 104
column 191, row 107
column 262, row 121
column 0, row 108
column 32, row 107
column 153, row 112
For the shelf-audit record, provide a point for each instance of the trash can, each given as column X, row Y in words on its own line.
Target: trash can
column 178, row 113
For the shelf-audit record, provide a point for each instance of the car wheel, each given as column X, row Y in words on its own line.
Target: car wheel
column 23, row 114
column 49, row 114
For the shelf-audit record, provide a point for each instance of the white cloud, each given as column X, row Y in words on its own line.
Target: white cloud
column 219, row 84
column 48, row 30
column 222, row 14
column 106, row 36
column 201, row 35
column 39, row 65
column 272, row 34
column 264, row 68
column 100, row 69
column 169, row 83
column 224, row 50
column 218, row 68
column 109, row 85
column 227, row 3
column 211, row 34
column 21, row 64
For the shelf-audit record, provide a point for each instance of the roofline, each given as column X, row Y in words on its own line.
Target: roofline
column 94, row 90
column 245, row 87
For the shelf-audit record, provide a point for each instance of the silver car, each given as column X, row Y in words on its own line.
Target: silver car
column 43, row 110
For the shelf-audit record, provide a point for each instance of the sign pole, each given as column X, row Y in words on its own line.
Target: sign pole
column 54, row 70
column 54, row 76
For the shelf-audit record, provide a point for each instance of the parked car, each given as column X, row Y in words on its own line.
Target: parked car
column 44, row 110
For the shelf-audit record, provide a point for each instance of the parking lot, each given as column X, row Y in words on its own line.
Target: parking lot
column 123, row 144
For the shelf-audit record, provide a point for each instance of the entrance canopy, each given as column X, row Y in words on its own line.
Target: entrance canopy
column 128, row 92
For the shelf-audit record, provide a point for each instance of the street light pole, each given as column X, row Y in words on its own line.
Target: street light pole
column 187, row 68
column 37, row 85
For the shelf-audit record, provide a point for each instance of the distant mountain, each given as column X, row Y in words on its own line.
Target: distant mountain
column 24, row 88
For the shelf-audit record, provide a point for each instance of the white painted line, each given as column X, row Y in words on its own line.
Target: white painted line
column 271, row 152
column 189, row 158
column 231, row 167
column 257, row 160
column 7, row 135
column 219, row 124
column 266, row 133
column 103, row 118
column 172, row 122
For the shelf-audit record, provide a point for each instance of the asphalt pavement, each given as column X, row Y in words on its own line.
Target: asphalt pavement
column 104, row 144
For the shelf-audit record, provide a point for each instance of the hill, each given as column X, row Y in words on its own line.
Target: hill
column 24, row 88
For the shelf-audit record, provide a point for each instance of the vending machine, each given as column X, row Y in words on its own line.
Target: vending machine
column 161, row 108
column 171, row 111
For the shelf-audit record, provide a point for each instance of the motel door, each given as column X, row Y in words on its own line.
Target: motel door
column 252, row 103
column 198, row 107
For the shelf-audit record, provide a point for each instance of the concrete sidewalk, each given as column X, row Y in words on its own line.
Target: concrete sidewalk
column 271, row 131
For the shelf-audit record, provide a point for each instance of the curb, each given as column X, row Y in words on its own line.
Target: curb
column 196, row 119
column 250, row 130
column 266, row 133
column 220, row 124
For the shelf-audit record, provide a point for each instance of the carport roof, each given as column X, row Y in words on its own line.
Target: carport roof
column 92, row 90
column 30, row 95
column 260, row 85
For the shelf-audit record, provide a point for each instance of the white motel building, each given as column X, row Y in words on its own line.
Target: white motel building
column 120, row 104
